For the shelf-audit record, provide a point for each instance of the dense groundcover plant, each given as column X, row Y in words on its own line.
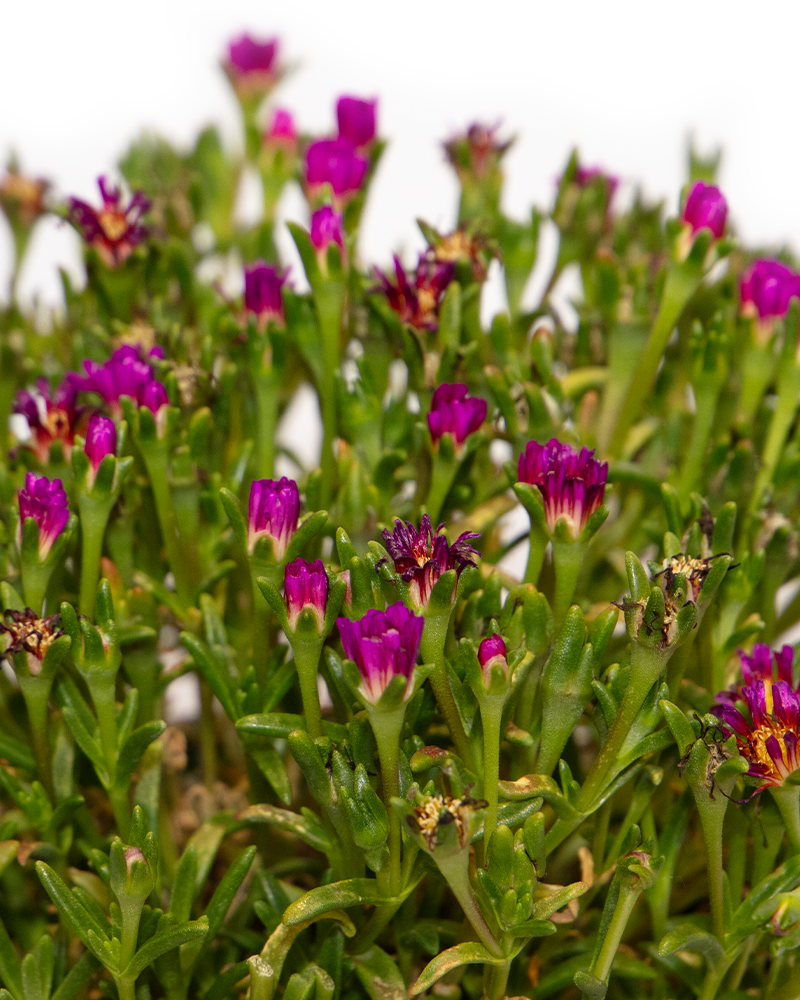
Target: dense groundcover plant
column 410, row 770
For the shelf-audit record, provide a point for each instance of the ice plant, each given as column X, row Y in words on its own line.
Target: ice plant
column 421, row 557
column 114, row 230
column 305, row 585
column 327, row 227
column 455, row 412
column 417, row 301
column 383, row 645
column 46, row 503
column 25, row 632
column 101, row 439
column 356, row 120
column 274, row 507
column 705, row 208
column 767, row 288
column 22, row 198
column 252, row 65
column 126, row 373
column 334, row 162
column 572, row 483
column 492, row 652
column 50, row 417
column 263, row 284
column 477, row 152
column 282, row 130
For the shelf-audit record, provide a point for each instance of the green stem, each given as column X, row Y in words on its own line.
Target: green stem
column 491, row 717
column 679, row 287
column 94, row 518
column 625, row 345
column 568, row 560
column 455, row 870
column 706, row 394
column 102, row 690
column 266, row 390
column 714, row 977
column 306, row 658
column 601, row 967
column 36, row 692
column 156, row 461
column 788, row 393
column 329, row 300
column 495, row 980
column 449, row 709
column 757, row 370
column 538, row 546
column 208, row 736
column 787, row 799
column 387, row 727
column 129, row 935
column 35, row 580
column 445, row 467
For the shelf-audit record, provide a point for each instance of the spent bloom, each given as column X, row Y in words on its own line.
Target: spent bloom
column 766, row 289
column 421, row 557
column 27, row 633
column 252, row 65
column 274, row 507
column 22, row 198
column 113, row 230
column 382, row 645
column 334, row 162
column 705, row 208
column 305, row 585
column 477, row 152
column 263, row 284
column 492, row 652
column 417, row 302
column 50, row 418
column 767, row 735
column 101, row 440
column 356, row 120
column 46, row 503
column 455, row 412
column 572, row 483
column 126, row 373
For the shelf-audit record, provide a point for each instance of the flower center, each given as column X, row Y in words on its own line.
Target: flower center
column 113, row 224
column 57, row 423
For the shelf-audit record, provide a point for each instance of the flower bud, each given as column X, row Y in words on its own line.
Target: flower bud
column 383, row 645
column 766, row 289
column 491, row 653
column 46, row 503
column 126, row 373
column 705, row 208
column 356, row 119
column 262, row 293
column 273, row 512
column 282, row 130
column 101, row 440
column 305, row 585
column 455, row 412
column 327, row 227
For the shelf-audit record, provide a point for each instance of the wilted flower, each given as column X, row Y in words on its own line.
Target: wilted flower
column 356, row 119
column 126, row 373
column 22, row 198
column 694, row 569
column 46, row 503
column 334, row 162
column 28, row 633
column 768, row 739
column 252, row 65
column 382, row 645
column 50, row 418
column 101, row 439
column 274, row 507
column 705, row 208
column 417, row 304
column 432, row 814
column 455, row 412
column 492, row 652
column 263, row 284
column 114, row 230
column 572, row 483
column 305, row 585
column 421, row 557
column 766, row 289
column 476, row 152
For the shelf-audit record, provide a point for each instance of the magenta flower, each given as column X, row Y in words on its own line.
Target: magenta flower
column 263, row 296
column 101, row 439
column 766, row 289
column 455, row 412
column 50, row 418
column 334, row 162
column 417, row 303
column 572, row 483
column 305, row 585
column 767, row 735
column 252, row 65
column 46, row 503
column 492, row 652
column 281, row 131
column 763, row 664
column 421, row 557
column 705, row 208
column 115, row 229
column 327, row 227
column 274, row 507
column 356, row 120
column 126, row 373
column 382, row 645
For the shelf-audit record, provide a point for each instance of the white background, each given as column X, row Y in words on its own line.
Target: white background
column 626, row 81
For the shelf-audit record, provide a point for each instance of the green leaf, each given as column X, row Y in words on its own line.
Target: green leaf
column 78, row 978
column 469, row 953
column 182, row 895
column 10, row 965
column 679, row 725
column 134, row 748
column 340, row 896
column 220, row 903
column 379, row 975
column 688, row 937
column 307, row 826
column 162, row 942
column 214, row 671
column 78, row 918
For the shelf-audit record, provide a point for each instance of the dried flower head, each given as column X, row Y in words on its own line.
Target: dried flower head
column 434, row 811
column 26, row 632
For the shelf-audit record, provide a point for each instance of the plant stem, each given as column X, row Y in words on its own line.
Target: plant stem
column 36, row 692
column 538, row 547
column 266, row 390
column 445, row 467
column 706, row 395
column 156, row 461
column 601, row 967
column 491, row 717
column 329, row 300
column 495, row 980
column 102, row 690
column 788, row 393
column 787, row 799
column 455, row 870
column 568, row 560
column 94, row 517
column 387, row 727
column 452, row 717
column 306, row 658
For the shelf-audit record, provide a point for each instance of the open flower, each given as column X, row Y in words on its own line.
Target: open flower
column 382, row 645
column 455, row 412
column 766, row 289
column 767, row 736
column 572, row 483
column 46, row 503
column 763, row 664
column 115, row 229
column 50, row 418
column 101, row 440
column 417, row 302
column 263, row 284
column 356, row 119
column 274, row 507
column 421, row 557
column 334, row 162
column 126, row 373
column 705, row 208
column 305, row 585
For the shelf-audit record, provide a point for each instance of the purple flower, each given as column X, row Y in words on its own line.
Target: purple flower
column 382, row 645
column 763, row 664
column 101, row 439
column 766, row 289
column 455, row 412
column 262, row 293
column 126, row 373
column 705, row 208
column 305, row 585
column 46, row 503
column 327, row 227
column 334, row 162
column 50, row 418
column 421, row 557
column 115, row 229
column 282, row 131
column 252, row 65
column 356, row 120
column 417, row 303
column 273, row 513
column 767, row 735
column 572, row 483
column 492, row 652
